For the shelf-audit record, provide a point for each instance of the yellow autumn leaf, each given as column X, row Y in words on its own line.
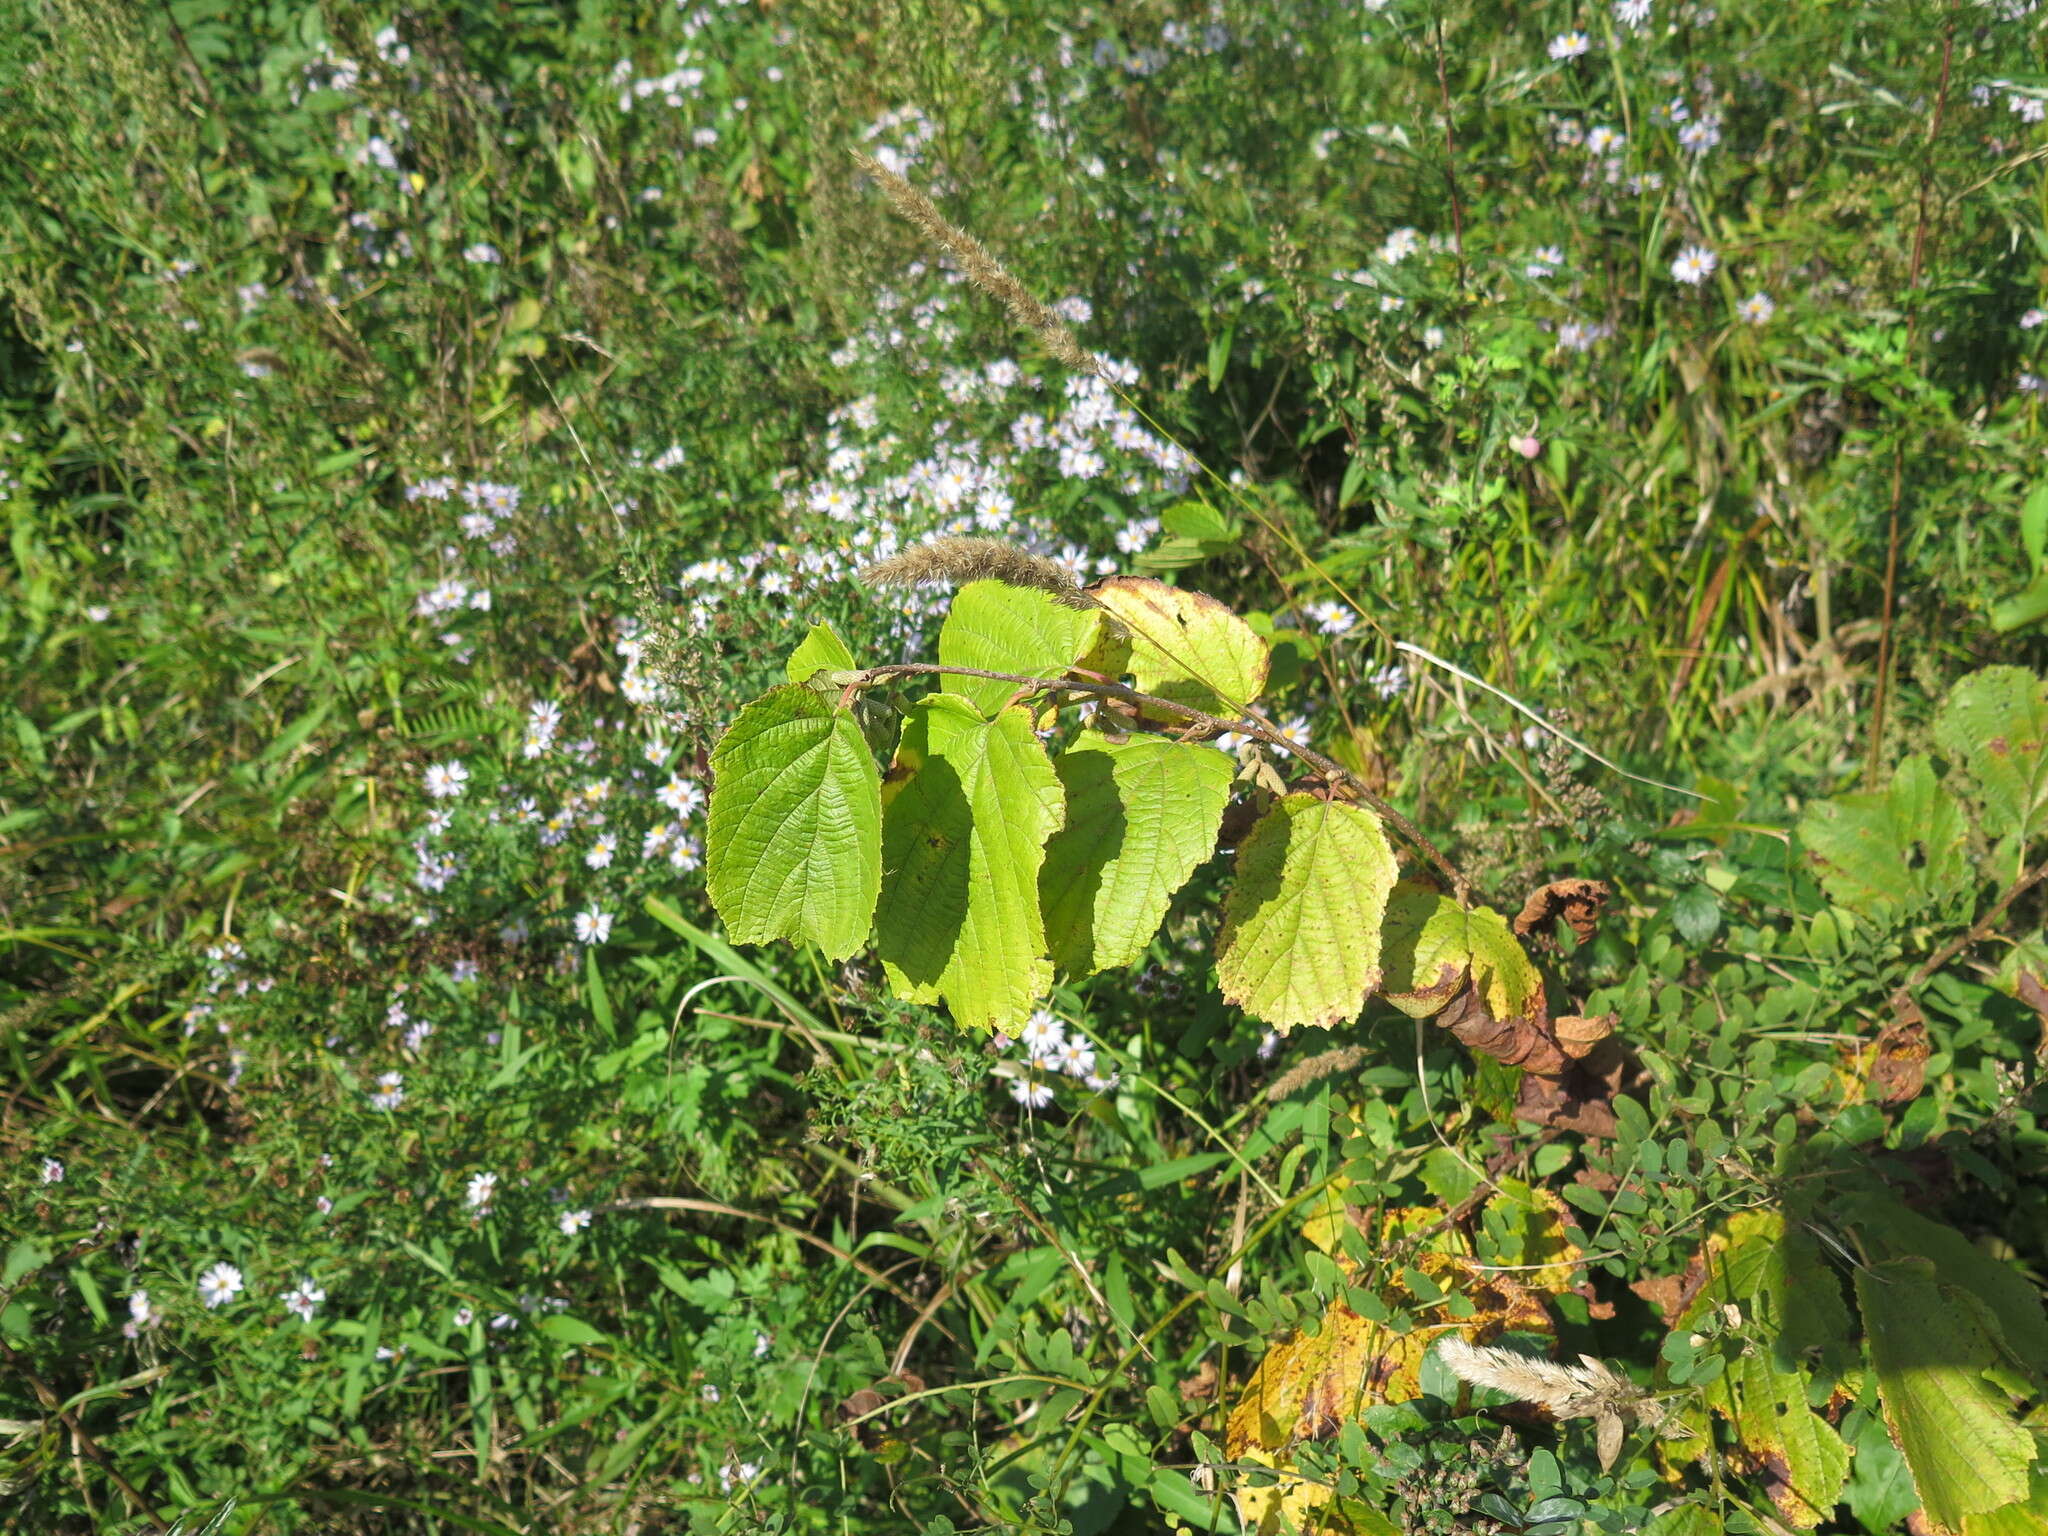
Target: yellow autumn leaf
column 1309, row 1385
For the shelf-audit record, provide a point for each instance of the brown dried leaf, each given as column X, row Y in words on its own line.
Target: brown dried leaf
column 1577, row 1036
column 1578, row 902
column 1523, row 1041
column 1898, row 1062
column 2035, row 996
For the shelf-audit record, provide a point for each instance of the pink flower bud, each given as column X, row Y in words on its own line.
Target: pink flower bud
column 1528, row 447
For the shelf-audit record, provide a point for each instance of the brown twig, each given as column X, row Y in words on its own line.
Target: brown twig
column 1979, row 930
column 1891, row 554
column 1257, row 729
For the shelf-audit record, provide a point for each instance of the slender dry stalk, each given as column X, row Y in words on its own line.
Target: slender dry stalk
column 953, row 562
column 981, row 267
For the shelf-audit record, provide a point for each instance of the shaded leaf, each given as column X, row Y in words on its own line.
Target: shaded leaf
column 793, row 846
column 963, row 835
column 1300, row 943
column 1786, row 1294
column 1930, row 1345
column 1431, row 948
column 1140, row 816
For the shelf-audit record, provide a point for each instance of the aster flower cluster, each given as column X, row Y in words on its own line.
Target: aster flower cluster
column 1050, row 1053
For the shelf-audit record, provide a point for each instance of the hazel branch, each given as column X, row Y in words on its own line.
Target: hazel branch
column 1259, row 730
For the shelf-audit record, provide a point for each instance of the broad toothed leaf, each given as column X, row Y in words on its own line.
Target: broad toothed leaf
column 1301, row 926
column 997, row 628
column 793, row 849
column 970, row 806
column 1186, row 646
column 1141, row 815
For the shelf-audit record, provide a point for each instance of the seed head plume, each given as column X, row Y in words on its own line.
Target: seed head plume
column 953, row 562
column 1588, row 1390
column 981, row 267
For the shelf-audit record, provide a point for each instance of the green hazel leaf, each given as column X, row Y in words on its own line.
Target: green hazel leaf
column 1686, row 1520
column 1185, row 646
column 1301, row 925
column 1891, row 1231
column 821, row 649
column 1766, row 1272
column 794, row 845
column 2029, row 1517
column 1141, row 816
column 1929, row 1347
column 1892, row 850
column 971, row 803
column 1429, row 946
column 1994, row 724
column 999, row 628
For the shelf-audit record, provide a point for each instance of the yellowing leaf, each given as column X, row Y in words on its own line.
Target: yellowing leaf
column 963, row 836
column 1186, row 646
column 1430, row 946
column 1308, row 1386
column 1527, row 1226
column 1773, row 1275
column 998, row 628
column 1141, row 815
column 1930, row 1345
column 1301, row 926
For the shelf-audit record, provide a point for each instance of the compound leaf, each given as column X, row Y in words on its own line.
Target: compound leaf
column 1186, row 646
column 1301, row 926
column 1000, row 628
column 793, row 849
column 963, row 834
column 1141, row 815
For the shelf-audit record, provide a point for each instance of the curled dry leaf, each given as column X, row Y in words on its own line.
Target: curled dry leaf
column 1578, row 902
column 1521, row 1040
column 1577, row 1036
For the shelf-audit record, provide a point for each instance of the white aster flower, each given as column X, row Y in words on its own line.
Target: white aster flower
column 220, row 1285
column 593, row 926
column 1757, row 308
column 1570, row 45
column 481, row 1187
column 304, row 1299
column 445, row 780
column 1694, row 264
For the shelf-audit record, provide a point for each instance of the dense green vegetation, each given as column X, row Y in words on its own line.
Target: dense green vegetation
column 1609, row 932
